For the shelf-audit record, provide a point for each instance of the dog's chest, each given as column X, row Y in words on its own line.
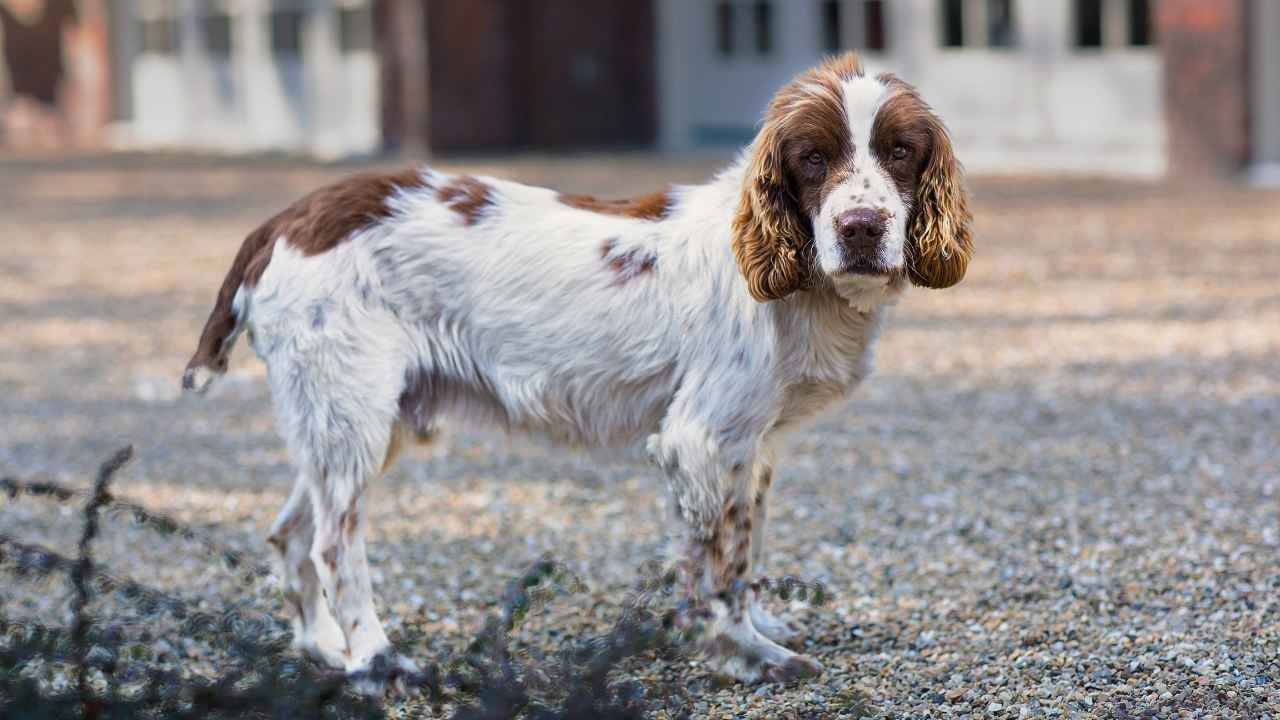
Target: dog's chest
column 835, row 357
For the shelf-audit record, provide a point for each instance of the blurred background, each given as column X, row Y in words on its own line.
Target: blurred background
column 1115, row 87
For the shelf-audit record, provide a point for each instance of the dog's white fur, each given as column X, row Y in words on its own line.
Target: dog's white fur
column 584, row 327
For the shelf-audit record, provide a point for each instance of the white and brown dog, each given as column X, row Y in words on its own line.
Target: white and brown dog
column 704, row 321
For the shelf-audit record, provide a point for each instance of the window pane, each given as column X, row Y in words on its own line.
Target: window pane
column 764, row 27
column 1089, row 23
column 1140, row 23
column 355, row 29
column 724, row 27
column 159, row 36
column 1002, row 30
column 873, row 16
column 216, row 30
column 953, row 23
column 831, row 26
column 286, row 32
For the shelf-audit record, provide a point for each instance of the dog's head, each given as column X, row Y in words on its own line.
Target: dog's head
column 851, row 180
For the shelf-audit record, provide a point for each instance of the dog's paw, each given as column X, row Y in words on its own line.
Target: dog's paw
column 782, row 628
column 739, row 651
column 388, row 673
column 759, row 664
column 328, row 654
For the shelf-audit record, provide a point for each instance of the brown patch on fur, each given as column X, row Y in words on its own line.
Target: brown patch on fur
column 762, row 485
column 939, row 229
column 772, row 239
column 280, row 539
column 348, row 522
column 314, row 224
column 628, row 264
column 466, row 196
column 715, row 553
column 393, row 448
column 330, row 557
column 320, row 221
column 654, row 206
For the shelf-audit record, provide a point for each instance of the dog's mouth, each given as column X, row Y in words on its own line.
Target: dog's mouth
column 867, row 267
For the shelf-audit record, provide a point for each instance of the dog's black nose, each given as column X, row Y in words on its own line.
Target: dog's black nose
column 861, row 228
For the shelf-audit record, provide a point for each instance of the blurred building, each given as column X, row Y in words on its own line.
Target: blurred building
column 54, row 65
column 1122, row 87
column 250, row 75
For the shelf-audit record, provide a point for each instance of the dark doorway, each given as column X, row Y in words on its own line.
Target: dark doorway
column 558, row 74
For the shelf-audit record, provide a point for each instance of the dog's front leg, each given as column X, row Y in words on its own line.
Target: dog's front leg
column 783, row 629
column 713, row 495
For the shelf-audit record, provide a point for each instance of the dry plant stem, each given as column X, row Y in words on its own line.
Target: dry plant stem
column 83, row 569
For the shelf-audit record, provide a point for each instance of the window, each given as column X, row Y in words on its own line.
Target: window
column 1001, row 28
column 286, row 32
column 763, row 14
column 157, row 27
column 873, row 24
column 355, row 29
column 1113, row 23
column 1140, row 23
column 1089, row 23
column 755, row 31
column 868, row 32
column 159, row 35
column 953, row 23
column 724, row 27
column 979, row 23
column 215, row 30
column 831, row 26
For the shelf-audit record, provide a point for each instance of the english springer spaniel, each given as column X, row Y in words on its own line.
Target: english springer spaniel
column 702, row 323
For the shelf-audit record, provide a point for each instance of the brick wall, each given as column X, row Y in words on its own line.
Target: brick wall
column 1205, row 49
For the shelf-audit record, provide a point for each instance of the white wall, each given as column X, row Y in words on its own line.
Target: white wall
column 1041, row 107
column 325, row 103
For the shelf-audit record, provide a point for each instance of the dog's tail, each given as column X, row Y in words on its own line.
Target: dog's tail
column 230, row 311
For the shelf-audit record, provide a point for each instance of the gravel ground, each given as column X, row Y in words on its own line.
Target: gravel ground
column 1057, row 497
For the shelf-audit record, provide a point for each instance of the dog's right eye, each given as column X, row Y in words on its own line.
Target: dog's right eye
column 816, row 159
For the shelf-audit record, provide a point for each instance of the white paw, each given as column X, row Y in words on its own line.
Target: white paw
column 783, row 628
column 327, row 654
column 736, row 649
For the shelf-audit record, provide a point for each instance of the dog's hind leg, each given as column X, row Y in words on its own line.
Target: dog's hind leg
column 315, row 632
column 345, row 458
column 336, row 384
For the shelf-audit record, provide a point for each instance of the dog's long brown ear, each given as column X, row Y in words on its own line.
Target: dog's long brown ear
column 940, row 236
column 769, row 233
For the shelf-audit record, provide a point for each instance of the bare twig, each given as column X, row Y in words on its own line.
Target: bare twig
column 81, row 572
column 159, row 522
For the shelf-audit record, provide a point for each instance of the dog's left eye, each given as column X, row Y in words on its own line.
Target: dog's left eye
column 816, row 159
column 900, row 152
